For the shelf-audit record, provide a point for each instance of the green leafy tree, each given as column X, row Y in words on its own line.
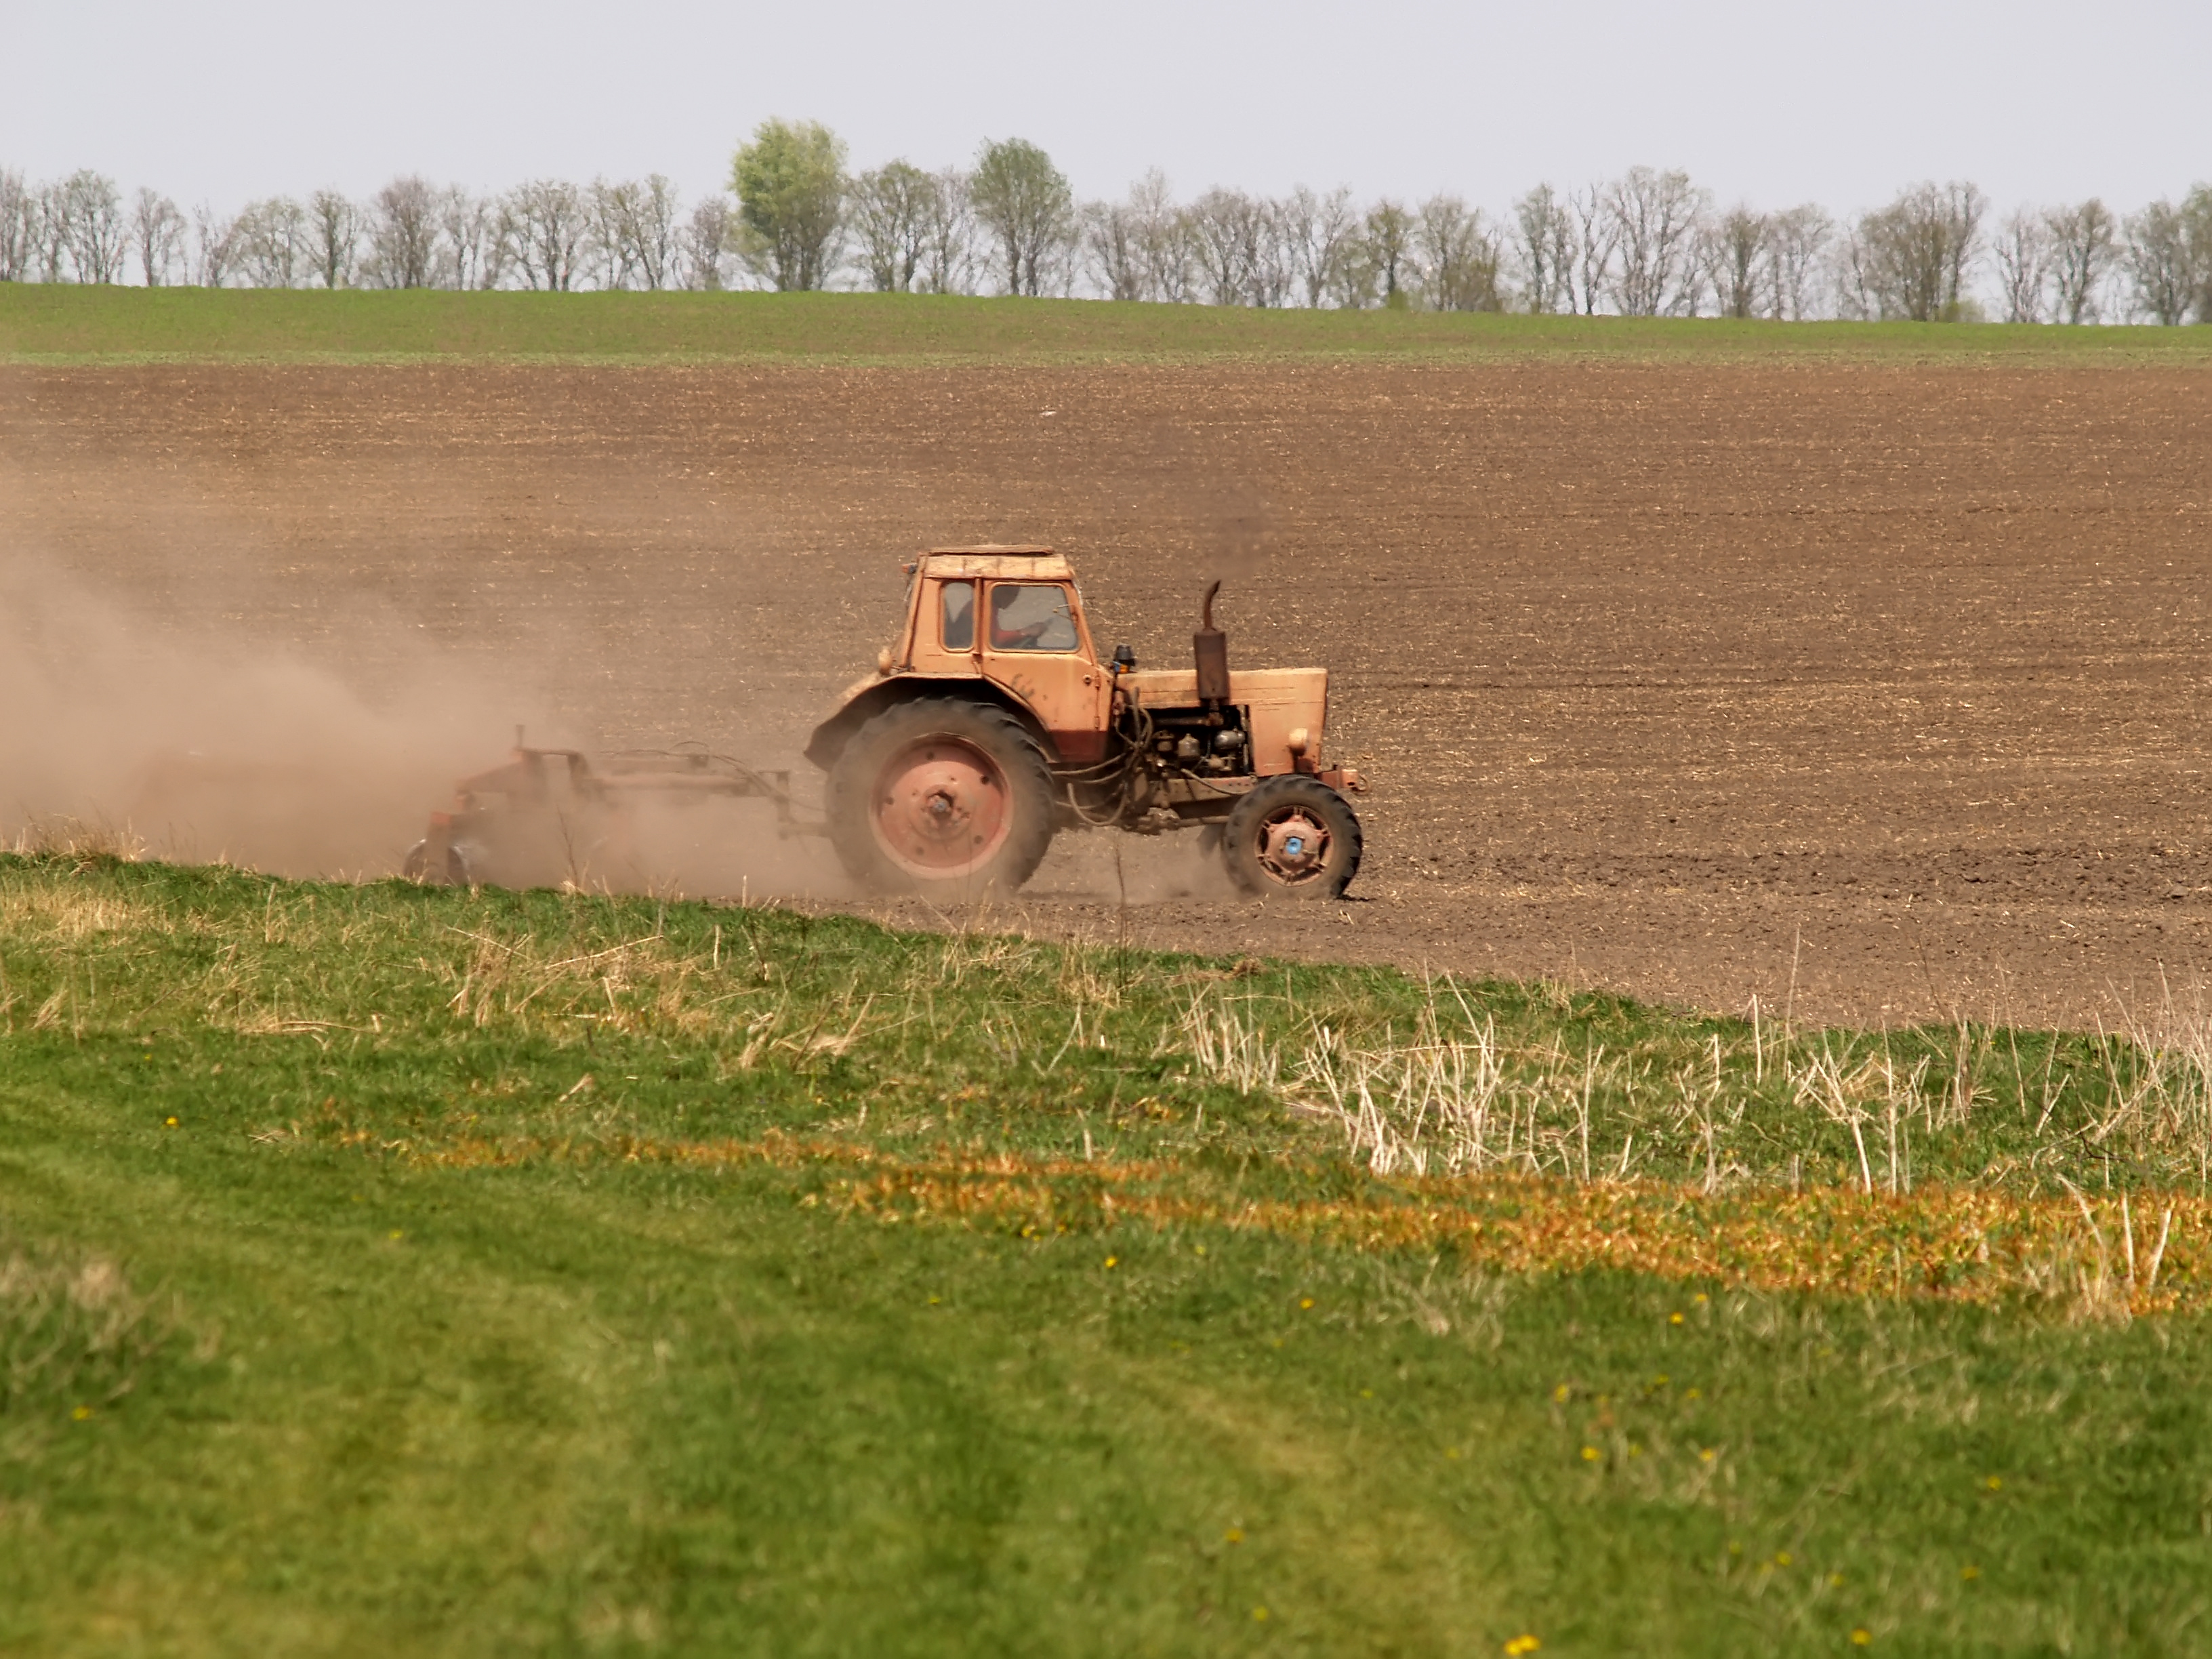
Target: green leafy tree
column 2159, row 262
column 1389, row 249
column 790, row 183
column 1024, row 204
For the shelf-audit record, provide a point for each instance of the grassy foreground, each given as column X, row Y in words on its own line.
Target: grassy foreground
column 65, row 322
column 390, row 1270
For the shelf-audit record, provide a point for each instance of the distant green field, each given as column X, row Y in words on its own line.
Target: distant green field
column 49, row 322
column 391, row 1271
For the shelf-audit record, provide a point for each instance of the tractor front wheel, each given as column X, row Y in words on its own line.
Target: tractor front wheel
column 942, row 797
column 1292, row 838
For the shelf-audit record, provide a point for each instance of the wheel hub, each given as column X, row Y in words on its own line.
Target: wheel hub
column 1294, row 846
column 940, row 808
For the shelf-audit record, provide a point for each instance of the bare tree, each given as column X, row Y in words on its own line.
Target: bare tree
column 18, row 226
column 95, row 225
column 1241, row 248
column 1224, row 236
column 1596, row 238
column 634, row 233
column 653, row 233
column 1024, row 204
column 1915, row 253
column 404, row 235
column 274, row 243
column 547, row 228
column 1796, row 238
column 333, row 237
column 1852, row 278
column 157, row 231
column 1736, row 250
column 1543, row 233
column 1654, row 220
column 704, row 245
column 50, row 231
column 214, row 247
column 1457, row 256
column 613, row 210
column 1318, row 234
column 1165, row 241
column 1275, row 270
column 2084, row 245
column 2022, row 251
column 892, row 210
column 1112, row 249
column 472, row 249
column 948, row 264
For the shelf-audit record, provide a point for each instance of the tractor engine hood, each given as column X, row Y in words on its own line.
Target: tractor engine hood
column 1288, row 708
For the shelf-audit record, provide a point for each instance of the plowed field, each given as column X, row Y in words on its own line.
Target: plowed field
column 1886, row 683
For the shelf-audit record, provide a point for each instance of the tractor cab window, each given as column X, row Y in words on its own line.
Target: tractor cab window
column 1030, row 617
column 958, row 616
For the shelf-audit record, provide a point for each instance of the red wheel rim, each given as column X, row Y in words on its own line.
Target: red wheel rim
column 1293, row 846
column 940, row 808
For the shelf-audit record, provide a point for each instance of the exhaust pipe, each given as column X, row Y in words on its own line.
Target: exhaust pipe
column 1209, row 646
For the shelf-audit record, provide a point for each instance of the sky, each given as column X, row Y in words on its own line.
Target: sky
column 1771, row 103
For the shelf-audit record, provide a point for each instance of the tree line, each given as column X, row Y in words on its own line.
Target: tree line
column 544, row 234
column 1648, row 243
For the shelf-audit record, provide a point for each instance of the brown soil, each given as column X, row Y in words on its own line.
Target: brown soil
column 1666, row 676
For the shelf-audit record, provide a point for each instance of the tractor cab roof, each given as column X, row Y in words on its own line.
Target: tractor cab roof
column 991, row 559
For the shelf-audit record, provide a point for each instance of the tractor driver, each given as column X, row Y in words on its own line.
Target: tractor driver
column 1030, row 617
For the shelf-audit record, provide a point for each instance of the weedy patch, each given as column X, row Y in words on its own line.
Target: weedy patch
column 82, row 843
column 1482, row 1079
column 2105, row 1259
column 42, row 914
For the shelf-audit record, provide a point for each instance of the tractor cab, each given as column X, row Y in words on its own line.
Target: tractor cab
column 1010, row 616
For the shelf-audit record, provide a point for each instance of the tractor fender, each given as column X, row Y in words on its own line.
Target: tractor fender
column 871, row 697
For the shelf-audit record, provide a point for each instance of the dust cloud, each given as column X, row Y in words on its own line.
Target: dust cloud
column 204, row 750
column 1103, row 866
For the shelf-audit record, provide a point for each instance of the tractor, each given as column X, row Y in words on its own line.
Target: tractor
column 990, row 723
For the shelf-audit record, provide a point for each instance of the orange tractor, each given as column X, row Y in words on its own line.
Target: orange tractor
column 990, row 723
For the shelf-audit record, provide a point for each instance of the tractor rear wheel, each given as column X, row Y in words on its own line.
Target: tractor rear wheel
column 1292, row 838
column 941, row 796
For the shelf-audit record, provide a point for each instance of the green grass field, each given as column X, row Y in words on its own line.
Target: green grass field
column 386, row 1270
column 64, row 323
